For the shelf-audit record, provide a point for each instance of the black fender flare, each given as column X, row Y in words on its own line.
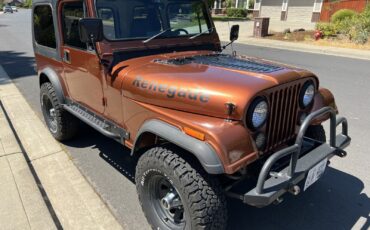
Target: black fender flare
column 54, row 80
column 204, row 152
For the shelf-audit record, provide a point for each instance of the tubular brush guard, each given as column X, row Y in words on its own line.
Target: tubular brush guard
column 270, row 189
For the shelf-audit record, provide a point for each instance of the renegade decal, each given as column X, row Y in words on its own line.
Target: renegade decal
column 171, row 91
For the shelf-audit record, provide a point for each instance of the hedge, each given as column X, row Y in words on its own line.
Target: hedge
column 236, row 13
column 342, row 14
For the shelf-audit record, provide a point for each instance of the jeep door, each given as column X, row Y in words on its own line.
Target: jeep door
column 81, row 66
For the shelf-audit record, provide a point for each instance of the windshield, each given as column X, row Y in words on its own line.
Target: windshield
column 142, row 19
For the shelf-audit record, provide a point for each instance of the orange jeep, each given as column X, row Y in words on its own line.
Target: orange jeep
column 151, row 74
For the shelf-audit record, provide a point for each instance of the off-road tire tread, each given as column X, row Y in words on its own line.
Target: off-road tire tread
column 204, row 193
column 66, row 122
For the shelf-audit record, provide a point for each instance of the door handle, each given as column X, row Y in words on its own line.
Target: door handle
column 66, row 56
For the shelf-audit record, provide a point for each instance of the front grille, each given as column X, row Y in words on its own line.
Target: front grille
column 283, row 103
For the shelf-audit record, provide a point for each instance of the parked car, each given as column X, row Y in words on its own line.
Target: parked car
column 14, row 8
column 199, row 122
column 7, row 9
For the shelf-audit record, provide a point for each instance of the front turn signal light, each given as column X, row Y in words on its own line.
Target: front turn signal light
column 193, row 133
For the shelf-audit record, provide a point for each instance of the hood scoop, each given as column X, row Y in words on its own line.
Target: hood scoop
column 225, row 61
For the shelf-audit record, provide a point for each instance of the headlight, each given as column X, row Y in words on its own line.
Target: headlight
column 257, row 113
column 307, row 94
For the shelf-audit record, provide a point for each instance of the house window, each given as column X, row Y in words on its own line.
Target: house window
column 257, row 8
column 317, row 6
column 257, row 5
column 284, row 10
column 317, row 10
column 285, row 5
column 43, row 26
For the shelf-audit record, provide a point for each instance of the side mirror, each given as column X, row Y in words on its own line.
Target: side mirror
column 91, row 30
column 234, row 33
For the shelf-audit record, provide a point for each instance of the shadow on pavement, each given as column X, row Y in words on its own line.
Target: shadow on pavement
column 111, row 151
column 335, row 202
column 16, row 64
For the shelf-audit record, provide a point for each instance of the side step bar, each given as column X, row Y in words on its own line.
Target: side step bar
column 100, row 124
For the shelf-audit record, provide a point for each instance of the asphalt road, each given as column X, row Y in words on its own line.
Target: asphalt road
column 340, row 200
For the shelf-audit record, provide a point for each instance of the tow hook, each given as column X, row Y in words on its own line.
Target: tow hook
column 295, row 190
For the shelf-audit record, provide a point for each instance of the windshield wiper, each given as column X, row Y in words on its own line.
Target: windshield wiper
column 206, row 31
column 157, row 35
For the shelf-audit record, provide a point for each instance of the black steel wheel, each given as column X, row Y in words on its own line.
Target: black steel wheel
column 165, row 200
column 49, row 113
column 177, row 195
column 62, row 125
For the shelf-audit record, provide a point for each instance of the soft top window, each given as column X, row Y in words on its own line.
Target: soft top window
column 43, row 26
column 72, row 12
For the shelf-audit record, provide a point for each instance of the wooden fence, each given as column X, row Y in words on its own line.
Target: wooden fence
column 330, row 7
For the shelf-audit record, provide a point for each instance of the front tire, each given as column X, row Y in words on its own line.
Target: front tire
column 177, row 195
column 62, row 125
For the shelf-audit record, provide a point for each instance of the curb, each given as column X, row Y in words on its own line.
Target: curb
column 76, row 204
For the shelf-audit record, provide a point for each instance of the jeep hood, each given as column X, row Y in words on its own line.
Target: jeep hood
column 202, row 83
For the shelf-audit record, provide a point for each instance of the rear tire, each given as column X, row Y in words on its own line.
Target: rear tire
column 203, row 204
column 316, row 132
column 62, row 125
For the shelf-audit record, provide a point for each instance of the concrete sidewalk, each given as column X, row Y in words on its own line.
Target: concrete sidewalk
column 38, row 157
column 21, row 203
column 246, row 37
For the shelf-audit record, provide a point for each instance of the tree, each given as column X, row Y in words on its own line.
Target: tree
column 210, row 3
column 27, row 4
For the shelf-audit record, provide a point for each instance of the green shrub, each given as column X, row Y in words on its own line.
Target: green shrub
column 361, row 37
column 27, row 4
column 344, row 26
column 347, row 23
column 328, row 29
column 229, row 3
column 365, row 15
column 359, row 32
column 366, row 12
column 342, row 14
column 236, row 13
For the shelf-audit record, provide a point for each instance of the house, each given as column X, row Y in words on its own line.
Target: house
column 220, row 6
column 296, row 14
column 293, row 14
